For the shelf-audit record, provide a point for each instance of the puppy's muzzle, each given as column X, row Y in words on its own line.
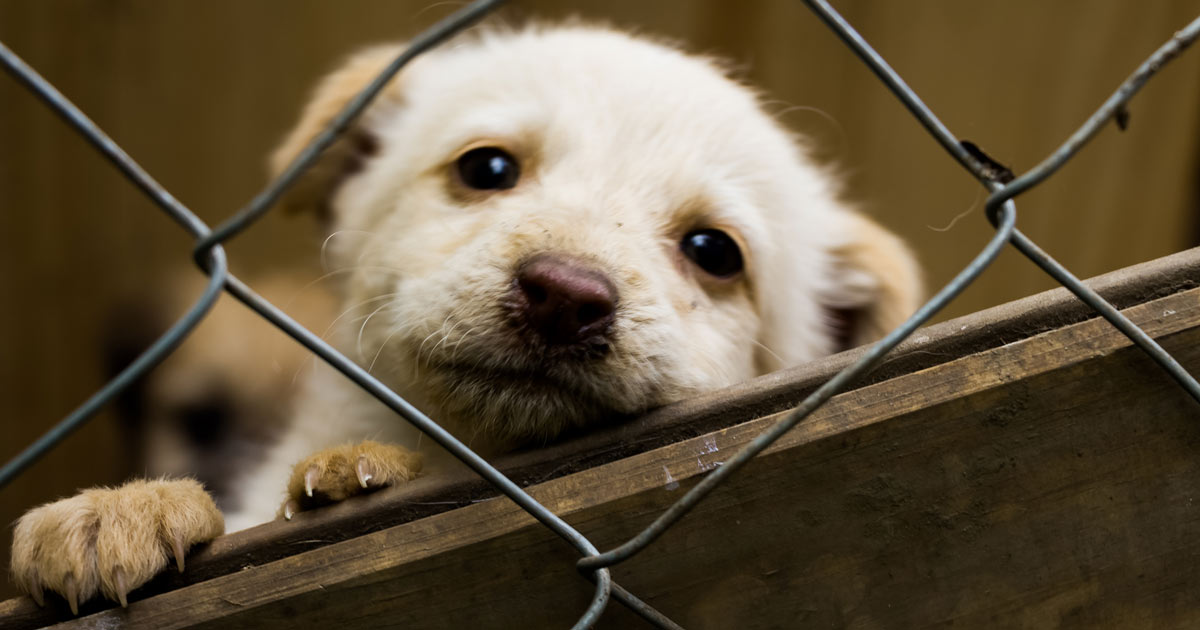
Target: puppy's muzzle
column 564, row 302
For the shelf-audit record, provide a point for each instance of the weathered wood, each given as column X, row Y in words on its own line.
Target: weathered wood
column 1047, row 482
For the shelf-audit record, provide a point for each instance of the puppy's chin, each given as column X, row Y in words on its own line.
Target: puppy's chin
column 506, row 389
column 514, row 406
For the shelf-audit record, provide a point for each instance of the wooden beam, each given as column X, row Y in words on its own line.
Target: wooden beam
column 1025, row 468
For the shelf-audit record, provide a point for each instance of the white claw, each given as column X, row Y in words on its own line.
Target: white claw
column 177, row 548
column 35, row 591
column 310, row 480
column 72, row 594
column 122, row 591
column 365, row 471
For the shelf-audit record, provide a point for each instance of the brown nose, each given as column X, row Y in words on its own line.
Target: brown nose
column 565, row 300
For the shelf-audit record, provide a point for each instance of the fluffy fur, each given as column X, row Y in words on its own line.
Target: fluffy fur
column 110, row 540
column 625, row 146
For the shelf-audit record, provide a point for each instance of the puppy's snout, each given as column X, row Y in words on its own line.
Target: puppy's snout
column 565, row 300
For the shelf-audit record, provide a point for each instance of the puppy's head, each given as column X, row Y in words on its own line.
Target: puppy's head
column 551, row 226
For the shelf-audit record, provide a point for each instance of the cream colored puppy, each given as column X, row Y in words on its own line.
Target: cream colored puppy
column 542, row 230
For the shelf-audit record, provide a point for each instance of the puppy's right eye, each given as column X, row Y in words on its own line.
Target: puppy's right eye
column 488, row 168
column 713, row 251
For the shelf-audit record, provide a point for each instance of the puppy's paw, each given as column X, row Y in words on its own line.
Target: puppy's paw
column 341, row 472
column 110, row 540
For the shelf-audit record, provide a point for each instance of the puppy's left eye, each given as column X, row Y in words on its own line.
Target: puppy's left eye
column 488, row 168
column 713, row 251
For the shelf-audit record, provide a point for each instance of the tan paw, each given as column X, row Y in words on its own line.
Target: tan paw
column 341, row 472
column 110, row 540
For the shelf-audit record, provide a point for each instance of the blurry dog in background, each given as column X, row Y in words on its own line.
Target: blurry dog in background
column 542, row 230
column 215, row 406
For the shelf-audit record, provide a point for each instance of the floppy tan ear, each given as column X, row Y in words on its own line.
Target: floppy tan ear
column 877, row 283
column 345, row 156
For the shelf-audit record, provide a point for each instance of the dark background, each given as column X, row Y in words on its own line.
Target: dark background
column 200, row 91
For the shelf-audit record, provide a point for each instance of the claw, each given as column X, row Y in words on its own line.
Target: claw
column 119, row 578
column 289, row 510
column 35, row 591
column 310, row 479
column 177, row 548
column 365, row 471
column 72, row 594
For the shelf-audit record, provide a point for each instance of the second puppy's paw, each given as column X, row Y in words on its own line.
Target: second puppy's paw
column 110, row 540
column 341, row 472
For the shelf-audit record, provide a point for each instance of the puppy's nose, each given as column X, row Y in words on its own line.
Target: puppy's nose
column 566, row 301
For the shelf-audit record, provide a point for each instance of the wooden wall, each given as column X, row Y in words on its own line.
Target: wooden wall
column 198, row 92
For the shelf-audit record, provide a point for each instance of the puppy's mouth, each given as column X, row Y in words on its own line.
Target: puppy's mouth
column 521, row 402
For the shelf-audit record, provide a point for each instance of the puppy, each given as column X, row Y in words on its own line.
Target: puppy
column 540, row 230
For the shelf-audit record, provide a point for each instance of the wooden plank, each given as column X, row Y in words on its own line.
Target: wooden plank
column 1045, row 482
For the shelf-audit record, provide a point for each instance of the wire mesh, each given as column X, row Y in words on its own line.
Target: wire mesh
column 1000, row 210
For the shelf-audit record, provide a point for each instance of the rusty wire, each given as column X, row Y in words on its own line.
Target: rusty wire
column 999, row 209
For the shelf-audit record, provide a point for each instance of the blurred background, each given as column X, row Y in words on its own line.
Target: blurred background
column 199, row 92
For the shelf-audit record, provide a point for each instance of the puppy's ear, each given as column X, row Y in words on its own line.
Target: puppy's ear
column 876, row 283
column 347, row 154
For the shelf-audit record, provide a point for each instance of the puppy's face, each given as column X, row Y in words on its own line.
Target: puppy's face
column 549, row 227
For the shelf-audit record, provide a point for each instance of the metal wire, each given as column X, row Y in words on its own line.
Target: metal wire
column 100, row 141
column 1109, row 312
column 265, row 200
column 1165, row 53
column 1000, row 193
column 210, row 256
column 159, row 350
column 175, row 335
column 892, row 80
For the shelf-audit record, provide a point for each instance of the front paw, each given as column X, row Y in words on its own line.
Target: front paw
column 341, row 472
column 110, row 540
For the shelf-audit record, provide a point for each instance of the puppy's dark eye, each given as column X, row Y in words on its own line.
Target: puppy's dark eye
column 713, row 251
column 488, row 168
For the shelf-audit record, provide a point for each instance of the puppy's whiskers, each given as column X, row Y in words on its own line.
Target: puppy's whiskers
column 386, row 296
column 383, row 345
column 462, row 340
column 351, row 269
column 325, row 243
column 361, row 329
column 445, row 336
column 437, row 331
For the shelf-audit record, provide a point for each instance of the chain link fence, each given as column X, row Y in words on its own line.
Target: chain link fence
column 209, row 254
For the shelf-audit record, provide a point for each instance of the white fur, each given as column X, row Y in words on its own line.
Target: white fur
column 625, row 145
